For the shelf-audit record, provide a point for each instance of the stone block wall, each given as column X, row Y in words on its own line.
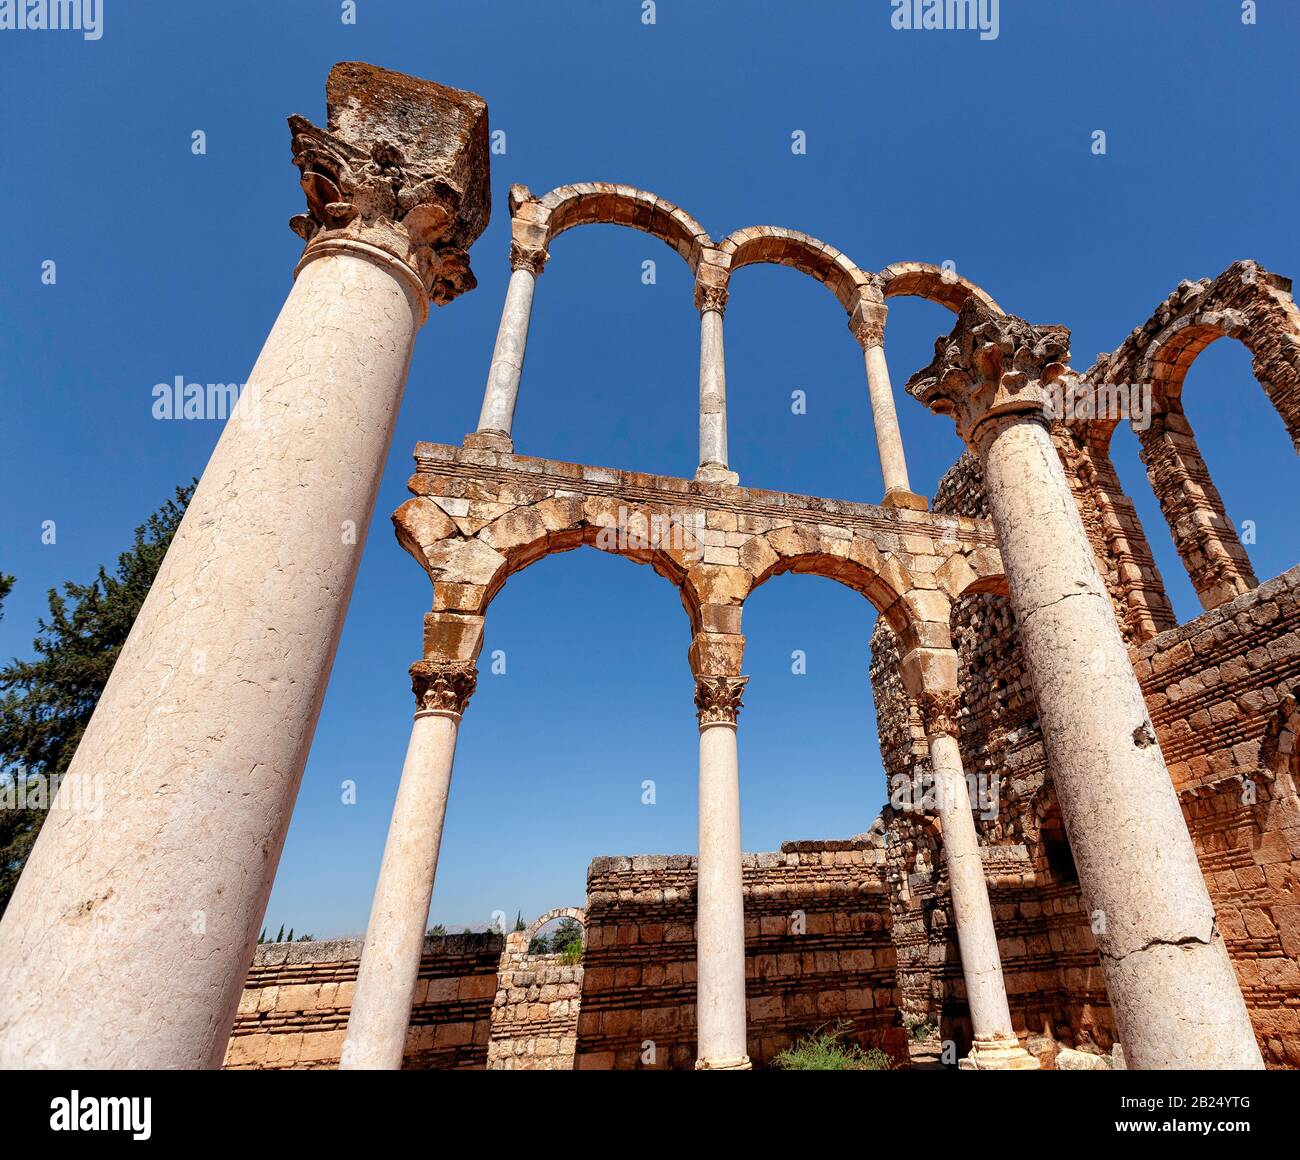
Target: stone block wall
column 818, row 952
column 535, row 1013
column 298, row 996
column 1221, row 692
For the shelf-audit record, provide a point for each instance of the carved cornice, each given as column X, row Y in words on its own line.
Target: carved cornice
column 528, row 258
column 443, row 686
column 373, row 197
column 717, row 699
column 939, row 710
column 991, row 365
column 711, row 298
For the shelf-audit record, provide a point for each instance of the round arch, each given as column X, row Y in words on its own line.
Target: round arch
column 607, row 203
column 778, row 246
column 576, row 913
column 922, row 280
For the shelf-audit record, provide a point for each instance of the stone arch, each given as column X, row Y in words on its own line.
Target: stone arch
column 782, row 247
column 469, row 559
column 922, row 280
column 537, row 220
column 1246, row 303
column 574, row 912
column 853, row 561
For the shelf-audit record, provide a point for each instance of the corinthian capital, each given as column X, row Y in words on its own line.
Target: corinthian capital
column 868, row 323
column 403, row 166
column 991, row 365
column 710, row 298
column 717, row 699
column 528, row 258
column 940, row 712
column 443, row 686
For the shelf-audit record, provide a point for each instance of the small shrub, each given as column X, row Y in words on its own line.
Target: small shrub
column 571, row 955
column 825, row 1050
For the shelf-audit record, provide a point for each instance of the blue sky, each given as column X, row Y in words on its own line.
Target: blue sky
column 930, row 146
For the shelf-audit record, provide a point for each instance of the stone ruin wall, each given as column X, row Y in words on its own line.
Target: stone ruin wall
column 297, row 997
column 1220, row 693
column 818, row 944
column 535, row 1013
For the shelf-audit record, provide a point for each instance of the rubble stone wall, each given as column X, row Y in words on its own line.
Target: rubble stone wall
column 535, row 1013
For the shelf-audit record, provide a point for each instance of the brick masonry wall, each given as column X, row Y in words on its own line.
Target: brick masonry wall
column 297, row 998
column 1221, row 694
column 818, row 952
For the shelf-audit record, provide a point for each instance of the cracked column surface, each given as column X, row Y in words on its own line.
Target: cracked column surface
column 390, row 959
column 720, row 894
column 995, row 1047
column 1171, row 984
column 132, row 928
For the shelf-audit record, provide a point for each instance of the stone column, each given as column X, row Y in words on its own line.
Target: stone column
column 868, row 326
column 720, row 900
column 995, row 1047
column 712, row 304
column 129, row 936
column 497, row 416
column 1171, row 984
column 390, row 960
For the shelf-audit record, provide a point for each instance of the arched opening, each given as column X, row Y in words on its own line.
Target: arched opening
column 613, row 368
column 799, row 413
column 574, row 713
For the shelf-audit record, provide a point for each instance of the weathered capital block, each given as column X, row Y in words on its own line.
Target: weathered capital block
column 402, row 166
column 991, row 365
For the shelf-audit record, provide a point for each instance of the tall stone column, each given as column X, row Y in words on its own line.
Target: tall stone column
column 712, row 304
column 390, row 960
column 497, row 416
column 129, row 936
column 1171, row 984
column 720, row 896
column 868, row 326
column 995, row 1047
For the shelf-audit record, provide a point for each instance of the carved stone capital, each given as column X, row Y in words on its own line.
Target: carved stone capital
column 991, row 366
column 940, row 712
column 868, row 323
column 528, row 258
column 717, row 699
column 443, row 686
column 711, row 298
column 402, row 166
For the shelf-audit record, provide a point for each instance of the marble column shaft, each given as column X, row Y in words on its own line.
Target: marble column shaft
column 720, row 913
column 498, row 412
column 390, row 959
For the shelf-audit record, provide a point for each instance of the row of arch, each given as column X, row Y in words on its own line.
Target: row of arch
column 477, row 566
column 1245, row 302
column 537, row 221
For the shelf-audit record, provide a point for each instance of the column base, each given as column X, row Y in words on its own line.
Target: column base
column 899, row 498
column 716, row 473
column 741, row 1064
column 998, row 1054
column 490, row 441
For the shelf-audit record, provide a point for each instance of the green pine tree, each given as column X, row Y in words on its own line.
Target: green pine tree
column 46, row 703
